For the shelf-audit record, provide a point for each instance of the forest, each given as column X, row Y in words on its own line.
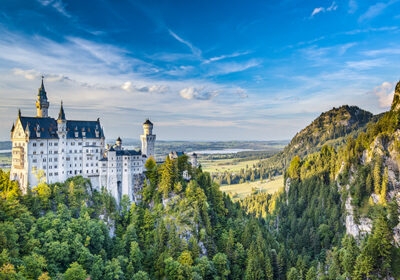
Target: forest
column 191, row 230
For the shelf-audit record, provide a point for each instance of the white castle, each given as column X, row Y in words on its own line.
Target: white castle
column 66, row 148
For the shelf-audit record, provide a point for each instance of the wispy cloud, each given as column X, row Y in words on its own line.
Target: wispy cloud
column 56, row 4
column 221, row 57
column 376, row 10
column 366, row 64
column 194, row 50
column 353, row 6
column 32, row 74
column 233, row 67
column 318, row 10
column 384, row 51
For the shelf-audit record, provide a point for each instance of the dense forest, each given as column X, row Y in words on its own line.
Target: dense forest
column 191, row 230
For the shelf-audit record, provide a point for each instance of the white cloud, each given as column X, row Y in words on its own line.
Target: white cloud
column 129, row 87
column 317, row 11
column 385, row 93
column 32, row 74
column 56, row 4
column 233, row 67
column 376, row 10
column 332, row 7
column 190, row 93
column 194, row 50
column 217, row 58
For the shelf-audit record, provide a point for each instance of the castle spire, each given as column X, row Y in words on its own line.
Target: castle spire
column 61, row 114
column 42, row 104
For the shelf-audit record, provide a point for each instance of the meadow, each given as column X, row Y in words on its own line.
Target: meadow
column 240, row 191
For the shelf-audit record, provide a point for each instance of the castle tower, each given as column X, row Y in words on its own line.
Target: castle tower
column 42, row 105
column 62, row 144
column 148, row 139
column 118, row 144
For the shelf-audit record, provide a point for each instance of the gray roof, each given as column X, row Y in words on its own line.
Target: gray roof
column 48, row 128
column 148, row 122
column 128, row 153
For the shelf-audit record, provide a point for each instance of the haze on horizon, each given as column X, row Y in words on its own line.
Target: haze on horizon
column 199, row 70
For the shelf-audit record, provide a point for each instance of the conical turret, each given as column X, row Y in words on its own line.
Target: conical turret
column 42, row 105
column 61, row 114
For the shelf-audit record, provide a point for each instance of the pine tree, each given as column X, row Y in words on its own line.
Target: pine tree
column 167, row 177
column 385, row 182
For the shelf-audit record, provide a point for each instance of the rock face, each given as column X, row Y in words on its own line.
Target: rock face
column 356, row 229
column 387, row 147
column 396, row 98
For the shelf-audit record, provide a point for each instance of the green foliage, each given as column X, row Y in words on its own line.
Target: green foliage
column 75, row 272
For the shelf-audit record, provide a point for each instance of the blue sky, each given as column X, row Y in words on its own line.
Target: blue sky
column 201, row 70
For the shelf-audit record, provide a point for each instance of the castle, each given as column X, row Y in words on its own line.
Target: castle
column 65, row 148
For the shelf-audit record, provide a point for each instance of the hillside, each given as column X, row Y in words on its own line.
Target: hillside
column 331, row 127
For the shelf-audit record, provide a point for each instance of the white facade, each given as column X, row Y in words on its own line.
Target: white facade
column 66, row 148
column 60, row 148
column 148, row 139
column 121, row 172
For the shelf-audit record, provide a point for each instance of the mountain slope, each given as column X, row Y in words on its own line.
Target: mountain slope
column 331, row 127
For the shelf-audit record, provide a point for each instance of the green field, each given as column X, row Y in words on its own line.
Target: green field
column 222, row 165
column 240, row 191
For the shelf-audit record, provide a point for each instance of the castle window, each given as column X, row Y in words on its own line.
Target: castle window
column 55, row 173
column 34, row 152
column 55, row 144
column 34, row 144
column 34, row 161
column 80, row 144
column 44, row 160
column 41, row 144
column 55, row 159
column 50, row 144
column 55, row 166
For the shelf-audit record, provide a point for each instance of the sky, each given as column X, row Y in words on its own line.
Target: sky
column 200, row 70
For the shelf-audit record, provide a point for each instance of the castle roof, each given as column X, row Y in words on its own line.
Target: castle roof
column 48, row 128
column 148, row 122
column 42, row 92
column 128, row 153
column 61, row 114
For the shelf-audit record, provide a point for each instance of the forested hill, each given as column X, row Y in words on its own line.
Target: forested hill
column 331, row 127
